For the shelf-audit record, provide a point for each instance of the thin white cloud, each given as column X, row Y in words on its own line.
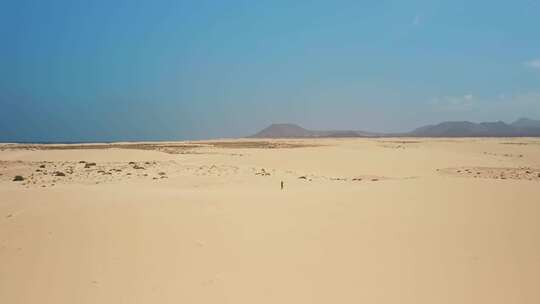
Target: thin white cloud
column 511, row 106
column 535, row 63
column 504, row 106
column 417, row 19
column 453, row 103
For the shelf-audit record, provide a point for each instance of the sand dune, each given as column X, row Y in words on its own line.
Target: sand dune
column 359, row 220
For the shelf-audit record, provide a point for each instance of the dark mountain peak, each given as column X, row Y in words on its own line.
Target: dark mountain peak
column 494, row 123
column 283, row 130
column 285, row 126
column 288, row 130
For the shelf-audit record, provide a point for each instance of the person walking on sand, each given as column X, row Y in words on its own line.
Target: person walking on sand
column 281, row 185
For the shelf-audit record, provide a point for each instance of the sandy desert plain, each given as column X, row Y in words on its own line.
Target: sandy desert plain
column 372, row 220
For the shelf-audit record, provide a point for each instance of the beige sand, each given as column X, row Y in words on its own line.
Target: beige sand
column 359, row 221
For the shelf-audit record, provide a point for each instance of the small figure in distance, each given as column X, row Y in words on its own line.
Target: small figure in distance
column 281, row 185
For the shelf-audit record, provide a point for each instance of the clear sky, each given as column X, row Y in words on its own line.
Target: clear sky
column 126, row 70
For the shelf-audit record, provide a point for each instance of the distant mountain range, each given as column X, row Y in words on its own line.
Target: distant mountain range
column 519, row 128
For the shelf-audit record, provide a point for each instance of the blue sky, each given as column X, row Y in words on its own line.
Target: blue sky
column 128, row 70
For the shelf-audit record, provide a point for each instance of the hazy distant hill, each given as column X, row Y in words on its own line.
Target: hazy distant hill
column 526, row 123
column 295, row 131
column 520, row 127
